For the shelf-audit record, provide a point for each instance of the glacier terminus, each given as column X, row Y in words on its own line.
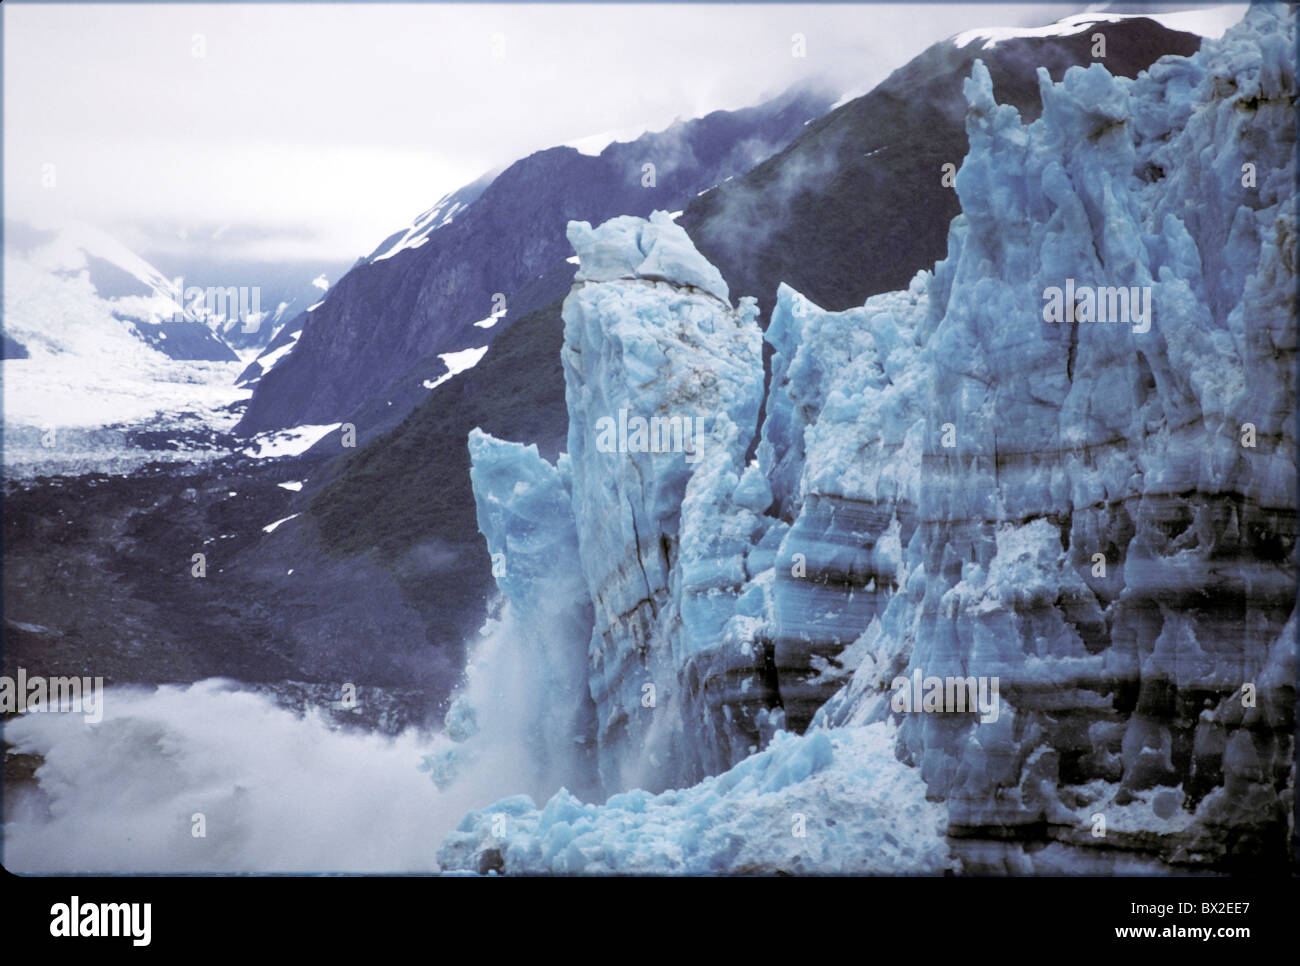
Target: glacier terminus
column 1092, row 524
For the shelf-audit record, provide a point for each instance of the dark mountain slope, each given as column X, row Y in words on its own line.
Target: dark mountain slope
column 857, row 205
column 411, row 485
column 386, row 313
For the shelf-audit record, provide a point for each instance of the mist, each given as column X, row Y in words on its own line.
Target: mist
column 275, row 791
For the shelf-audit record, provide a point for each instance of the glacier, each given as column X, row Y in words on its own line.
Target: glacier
column 1097, row 516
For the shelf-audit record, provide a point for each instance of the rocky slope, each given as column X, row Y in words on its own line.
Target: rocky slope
column 498, row 248
column 860, row 202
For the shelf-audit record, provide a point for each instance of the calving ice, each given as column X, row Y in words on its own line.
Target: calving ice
column 30, row 694
column 74, row 919
column 658, row 434
column 1130, row 305
column 946, row 695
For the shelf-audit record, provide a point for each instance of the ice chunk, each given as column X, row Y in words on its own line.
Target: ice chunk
column 629, row 247
column 824, row 802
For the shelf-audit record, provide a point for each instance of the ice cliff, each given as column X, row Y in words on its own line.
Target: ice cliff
column 952, row 482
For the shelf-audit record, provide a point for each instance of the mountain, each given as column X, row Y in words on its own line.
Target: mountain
column 1008, row 588
column 73, row 290
column 442, row 214
column 369, row 504
column 859, row 202
column 275, row 350
column 283, row 291
column 214, row 257
column 497, row 246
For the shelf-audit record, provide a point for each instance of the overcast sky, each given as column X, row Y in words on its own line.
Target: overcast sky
column 313, row 131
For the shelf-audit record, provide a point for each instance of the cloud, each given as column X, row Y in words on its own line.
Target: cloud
column 345, row 120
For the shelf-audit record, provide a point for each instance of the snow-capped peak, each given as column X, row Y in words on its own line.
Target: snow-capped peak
column 75, row 242
column 1205, row 22
column 77, row 290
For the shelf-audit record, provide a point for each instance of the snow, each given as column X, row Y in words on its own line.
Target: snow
column 56, row 315
column 490, row 321
column 74, row 240
column 288, row 442
column 417, row 234
column 291, row 485
column 51, row 278
column 270, row 359
column 272, row 527
column 456, row 363
column 409, row 243
column 853, row 95
column 1205, row 22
